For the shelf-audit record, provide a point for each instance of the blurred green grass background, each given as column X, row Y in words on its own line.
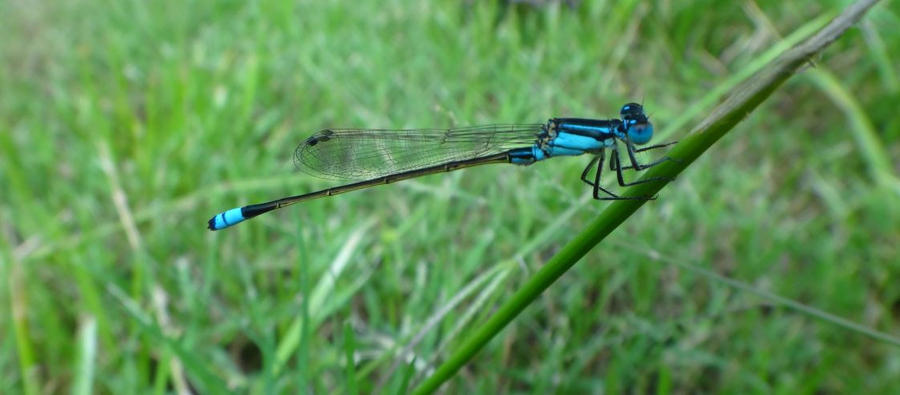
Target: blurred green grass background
column 125, row 125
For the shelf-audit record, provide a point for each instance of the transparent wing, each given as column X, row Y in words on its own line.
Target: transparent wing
column 351, row 154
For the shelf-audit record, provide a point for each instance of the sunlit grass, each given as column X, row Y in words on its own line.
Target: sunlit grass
column 124, row 126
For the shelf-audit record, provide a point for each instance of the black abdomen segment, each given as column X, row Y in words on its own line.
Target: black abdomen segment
column 238, row 215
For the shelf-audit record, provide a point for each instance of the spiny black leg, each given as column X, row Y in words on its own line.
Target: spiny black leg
column 629, row 147
column 614, row 159
column 656, row 162
column 621, row 179
column 602, row 156
column 612, row 164
column 616, row 197
column 634, row 162
column 618, row 164
column 655, row 146
column 587, row 170
column 649, row 165
column 596, row 184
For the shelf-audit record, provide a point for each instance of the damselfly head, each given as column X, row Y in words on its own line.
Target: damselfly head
column 637, row 125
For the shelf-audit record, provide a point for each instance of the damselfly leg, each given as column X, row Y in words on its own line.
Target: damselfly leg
column 598, row 160
column 633, row 159
column 587, row 169
column 596, row 183
column 616, row 162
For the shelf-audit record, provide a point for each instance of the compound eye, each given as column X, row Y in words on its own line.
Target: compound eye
column 639, row 132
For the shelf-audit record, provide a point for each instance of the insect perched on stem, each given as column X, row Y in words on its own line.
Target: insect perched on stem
column 380, row 156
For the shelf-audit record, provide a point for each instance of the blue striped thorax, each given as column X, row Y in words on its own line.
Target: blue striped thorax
column 576, row 136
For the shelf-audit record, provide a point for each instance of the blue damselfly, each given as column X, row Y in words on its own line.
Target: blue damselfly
column 380, row 156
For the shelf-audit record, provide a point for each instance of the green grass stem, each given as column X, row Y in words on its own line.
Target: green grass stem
column 744, row 99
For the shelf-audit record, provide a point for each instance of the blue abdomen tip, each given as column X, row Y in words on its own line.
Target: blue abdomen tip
column 226, row 219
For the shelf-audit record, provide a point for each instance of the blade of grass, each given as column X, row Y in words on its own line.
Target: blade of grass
column 861, row 128
column 407, row 375
column 775, row 298
column 882, row 57
column 723, row 118
column 323, row 289
column 490, row 278
column 349, row 350
column 18, row 301
column 722, row 88
column 87, row 359
column 203, row 377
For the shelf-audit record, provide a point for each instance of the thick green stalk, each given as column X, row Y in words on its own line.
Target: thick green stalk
column 743, row 99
